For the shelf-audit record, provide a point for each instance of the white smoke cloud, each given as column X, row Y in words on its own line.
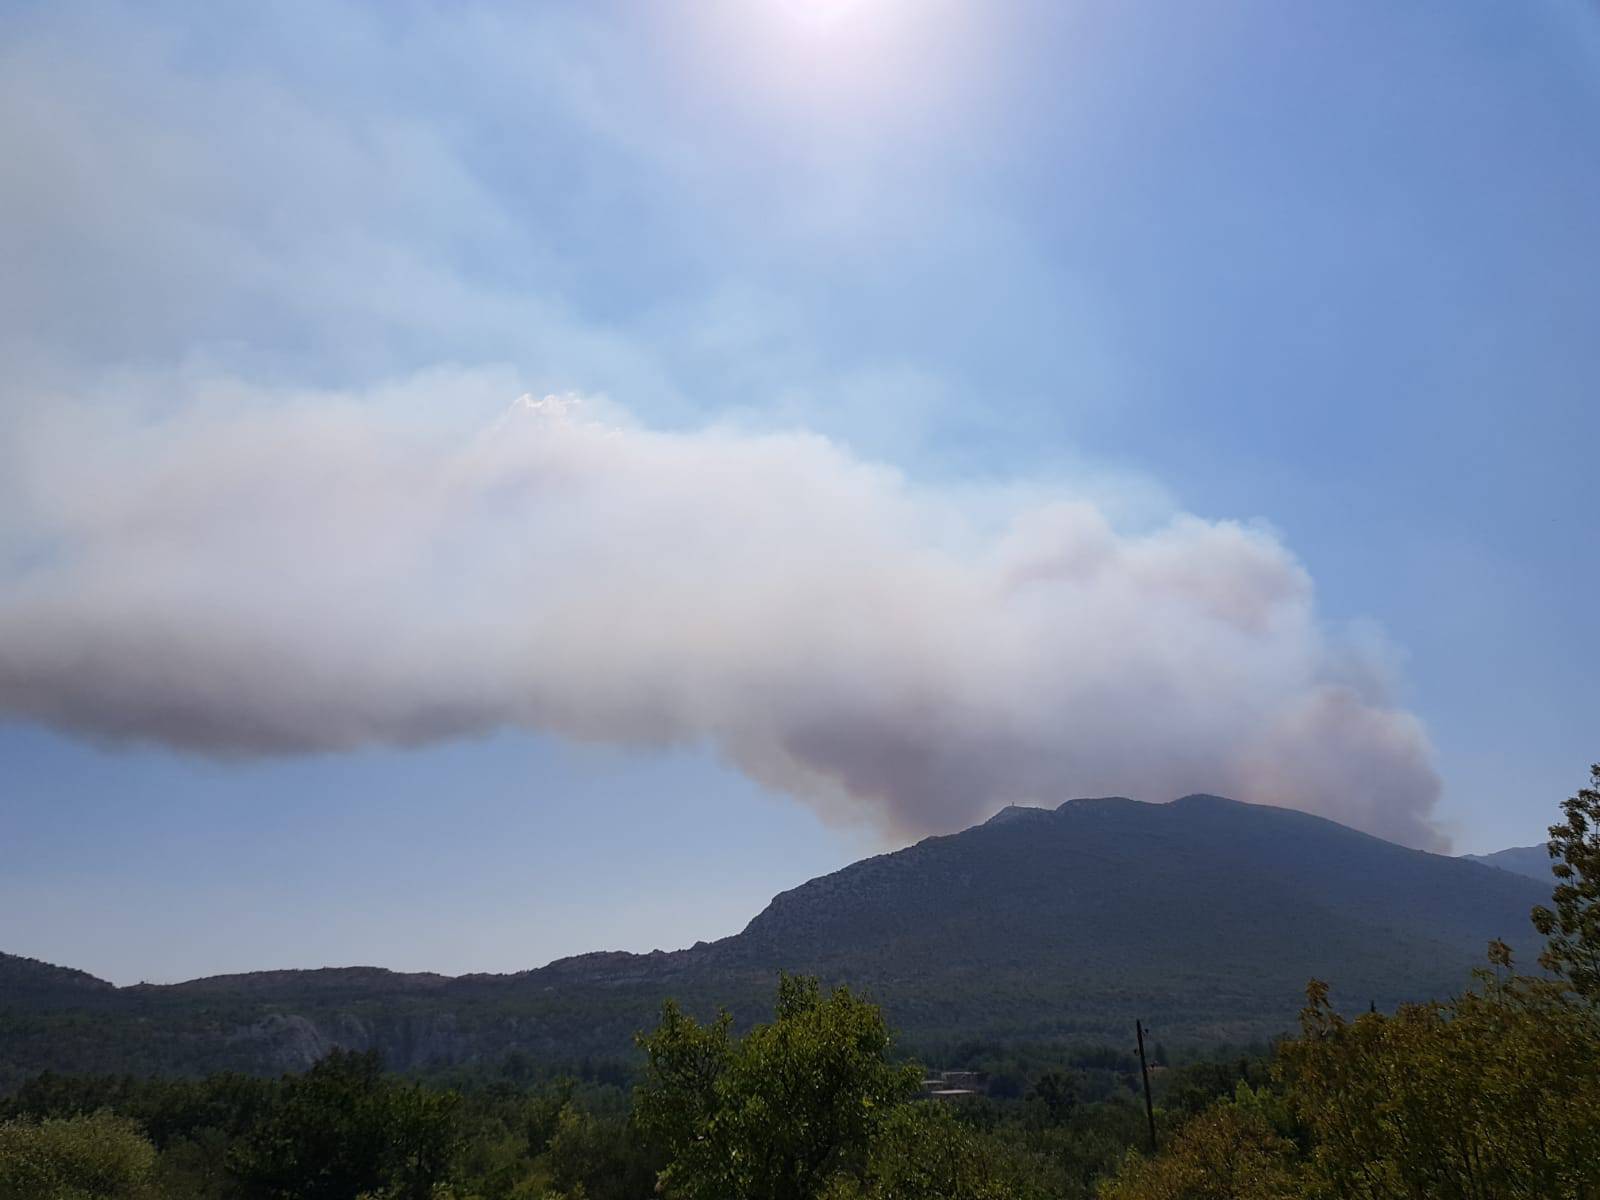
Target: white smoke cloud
column 250, row 576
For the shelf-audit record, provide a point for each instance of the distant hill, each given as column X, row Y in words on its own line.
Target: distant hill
column 1205, row 917
column 29, row 981
column 1532, row 861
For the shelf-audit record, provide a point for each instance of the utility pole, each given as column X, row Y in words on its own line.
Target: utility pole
column 1144, row 1069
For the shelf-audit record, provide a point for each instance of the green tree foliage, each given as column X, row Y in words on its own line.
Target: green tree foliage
column 1056, row 1095
column 600, row 1157
column 1493, row 1094
column 681, row 1096
column 1229, row 1152
column 75, row 1158
column 527, row 1141
column 541, row 1115
column 779, row 1113
column 424, row 1140
column 344, row 1130
column 924, row 1152
column 1572, row 928
column 167, row 1110
column 1194, row 1087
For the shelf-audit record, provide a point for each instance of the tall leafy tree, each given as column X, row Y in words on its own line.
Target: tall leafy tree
column 779, row 1113
column 343, row 1130
column 600, row 1157
column 923, row 1152
column 680, row 1099
column 1055, row 1094
column 1572, row 927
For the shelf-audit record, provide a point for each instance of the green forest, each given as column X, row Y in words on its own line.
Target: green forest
column 1492, row 1093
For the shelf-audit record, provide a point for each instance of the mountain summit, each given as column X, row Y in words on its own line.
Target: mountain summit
column 1203, row 916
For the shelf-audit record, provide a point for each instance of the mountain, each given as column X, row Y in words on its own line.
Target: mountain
column 1204, row 916
column 29, row 981
column 1532, row 861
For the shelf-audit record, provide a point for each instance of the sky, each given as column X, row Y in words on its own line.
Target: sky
column 480, row 483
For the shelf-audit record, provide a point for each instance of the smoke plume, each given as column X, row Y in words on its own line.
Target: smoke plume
column 293, row 578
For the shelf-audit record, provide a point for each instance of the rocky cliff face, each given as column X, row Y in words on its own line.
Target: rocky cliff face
column 292, row 1042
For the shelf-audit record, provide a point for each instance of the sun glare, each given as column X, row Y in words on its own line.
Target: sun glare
column 820, row 16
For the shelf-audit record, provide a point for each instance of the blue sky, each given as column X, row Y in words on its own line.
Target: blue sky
column 1330, row 273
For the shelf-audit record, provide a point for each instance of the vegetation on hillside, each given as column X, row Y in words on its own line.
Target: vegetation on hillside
column 815, row 1102
column 1494, row 1093
column 1204, row 917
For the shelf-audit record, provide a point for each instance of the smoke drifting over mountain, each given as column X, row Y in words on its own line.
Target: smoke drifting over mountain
column 257, row 579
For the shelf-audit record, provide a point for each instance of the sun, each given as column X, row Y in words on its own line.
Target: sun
column 822, row 16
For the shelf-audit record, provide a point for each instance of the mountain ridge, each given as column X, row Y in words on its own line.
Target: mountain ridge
column 1532, row 861
column 1204, row 915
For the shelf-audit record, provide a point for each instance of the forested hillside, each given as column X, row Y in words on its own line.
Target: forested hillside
column 1204, row 916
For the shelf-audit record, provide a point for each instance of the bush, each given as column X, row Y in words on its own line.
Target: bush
column 75, row 1158
column 1229, row 1152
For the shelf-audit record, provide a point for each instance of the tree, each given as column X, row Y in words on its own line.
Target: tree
column 1492, row 1094
column 1573, row 926
column 1495, row 1093
column 679, row 1101
column 779, row 1113
column 342, row 1130
column 1229, row 1152
column 94, row 1157
column 920, row 1151
column 599, row 1158
column 424, row 1140
column 1056, row 1094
